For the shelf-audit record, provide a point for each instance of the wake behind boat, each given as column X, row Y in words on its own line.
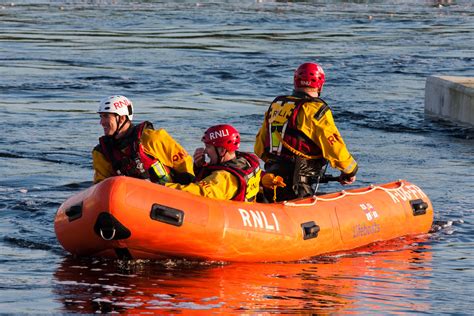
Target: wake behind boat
column 124, row 217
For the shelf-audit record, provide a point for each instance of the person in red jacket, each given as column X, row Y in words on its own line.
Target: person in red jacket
column 229, row 174
column 298, row 137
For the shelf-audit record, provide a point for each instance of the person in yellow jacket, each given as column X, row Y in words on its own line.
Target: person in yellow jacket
column 299, row 137
column 137, row 150
column 229, row 174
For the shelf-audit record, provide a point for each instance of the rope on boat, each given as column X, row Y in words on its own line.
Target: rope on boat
column 343, row 194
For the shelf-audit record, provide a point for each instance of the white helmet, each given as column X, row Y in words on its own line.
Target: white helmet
column 117, row 104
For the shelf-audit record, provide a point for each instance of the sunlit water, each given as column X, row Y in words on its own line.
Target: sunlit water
column 187, row 65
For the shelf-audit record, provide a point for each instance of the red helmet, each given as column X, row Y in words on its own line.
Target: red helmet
column 309, row 75
column 223, row 135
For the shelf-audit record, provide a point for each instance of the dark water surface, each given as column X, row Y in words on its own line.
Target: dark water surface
column 187, row 65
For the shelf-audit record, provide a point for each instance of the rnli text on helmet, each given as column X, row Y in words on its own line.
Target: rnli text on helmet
column 121, row 103
column 218, row 134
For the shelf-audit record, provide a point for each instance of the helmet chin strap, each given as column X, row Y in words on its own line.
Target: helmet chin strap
column 119, row 127
column 220, row 156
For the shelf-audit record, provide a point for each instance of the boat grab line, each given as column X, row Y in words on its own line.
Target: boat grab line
column 343, row 194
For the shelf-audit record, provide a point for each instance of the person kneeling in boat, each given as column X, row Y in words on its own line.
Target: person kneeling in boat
column 299, row 137
column 230, row 174
column 137, row 151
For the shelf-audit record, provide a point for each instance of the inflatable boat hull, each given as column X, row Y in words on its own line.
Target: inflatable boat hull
column 130, row 218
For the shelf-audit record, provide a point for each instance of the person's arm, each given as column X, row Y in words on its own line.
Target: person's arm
column 259, row 147
column 220, row 185
column 318, row 124
column 159, row 144
column 102, row 167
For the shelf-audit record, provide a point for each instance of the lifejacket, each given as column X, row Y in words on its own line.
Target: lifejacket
column 246, row 168
column 128, row 157
column 281, row 125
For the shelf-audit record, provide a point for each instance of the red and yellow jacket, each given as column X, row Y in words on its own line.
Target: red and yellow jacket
column 307, row 125
column 236, row 180
column 143, row 153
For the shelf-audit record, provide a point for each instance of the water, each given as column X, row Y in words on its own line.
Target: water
column 187, row 65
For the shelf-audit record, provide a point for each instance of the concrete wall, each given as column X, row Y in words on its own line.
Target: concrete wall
column 451, row 98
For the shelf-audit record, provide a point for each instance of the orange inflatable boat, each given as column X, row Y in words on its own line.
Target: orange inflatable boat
column 129, row 218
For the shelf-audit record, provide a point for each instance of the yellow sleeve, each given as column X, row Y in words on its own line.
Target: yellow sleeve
column 159, row 144
column 102, row 167
column 259, row 147
column 326, row 135
column 220, row 185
